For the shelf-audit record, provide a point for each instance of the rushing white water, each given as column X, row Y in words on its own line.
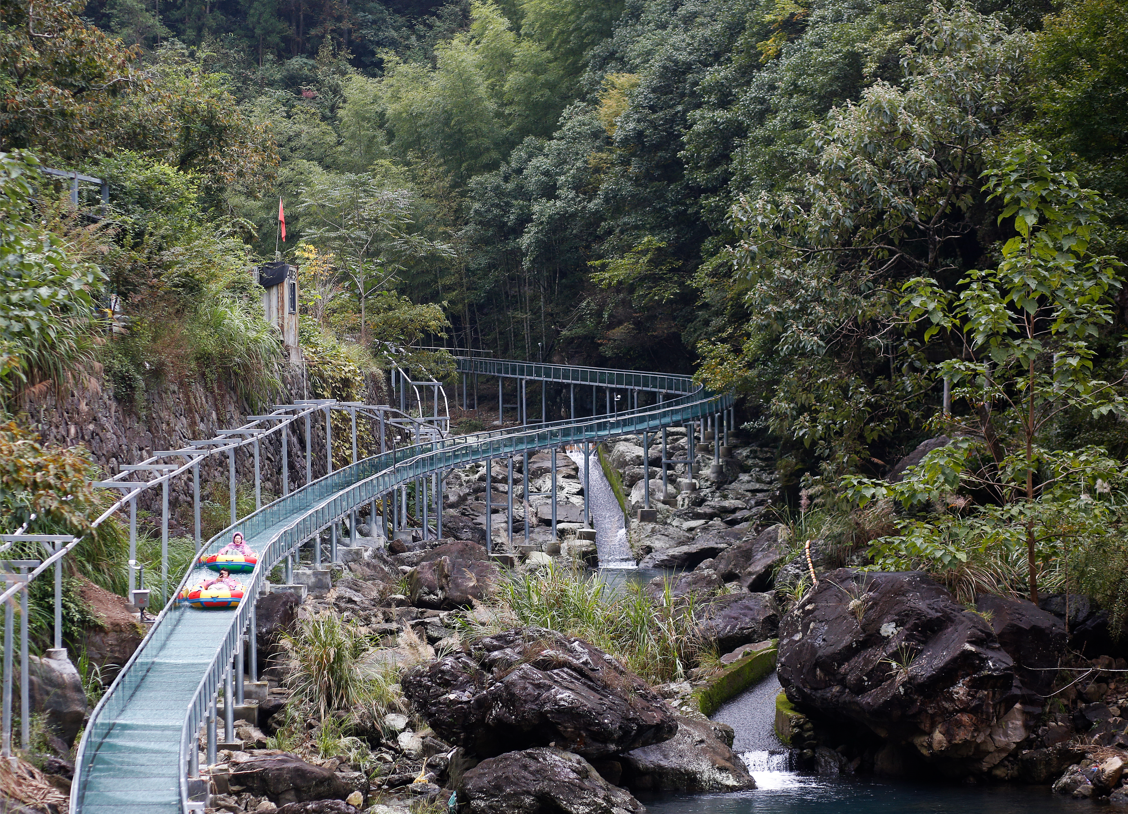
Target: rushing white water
column 607, row 516
column 752, row 717
column 771, row 770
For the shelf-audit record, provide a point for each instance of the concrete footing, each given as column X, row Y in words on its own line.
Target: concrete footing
column 300, row 590
column 648, row 515
column 316, row 580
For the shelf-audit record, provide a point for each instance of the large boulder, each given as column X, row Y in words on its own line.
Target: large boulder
column 1088, row 625
column 542, row 781
column 452, row 576
column 895, row 653
column 459, row 527
column 654, row 537
column 695, row 759
column 915, row 457
column 700, row 583
column 752, row 562
column 534, row 687
column 55, row 690
column 735, row 619
column 1035, row 639
column 275, row 615
column 707, row 546
column 287, row 779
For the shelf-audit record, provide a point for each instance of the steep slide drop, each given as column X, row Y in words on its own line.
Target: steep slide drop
column 140, row 744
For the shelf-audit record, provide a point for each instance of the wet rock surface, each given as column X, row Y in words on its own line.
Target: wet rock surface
column 533, row 687
column 733, row 620
column 695, row 759
column 452, row 576
column 898, row 655
column 55, row 691
column 287, row 779
column 541, row 780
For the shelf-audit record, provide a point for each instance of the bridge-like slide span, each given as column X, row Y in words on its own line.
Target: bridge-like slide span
column 139, row 750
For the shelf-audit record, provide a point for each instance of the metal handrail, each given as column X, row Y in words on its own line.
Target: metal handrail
column 339, row 493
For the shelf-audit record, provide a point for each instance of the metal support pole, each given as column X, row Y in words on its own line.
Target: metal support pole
column 132, row 544
column 316, row 540
column 594, row 399
column 240, row 697
column 607, row 393
column 352, row 416
column 509, row 500
column 309, row 451
column 164, row 536
column 716, row 441
column 258, row 476
column 475, row 391
column 525, row 492
column 489, row 505
column 25, row 706
column 571, row 402
column 500, row 403
column 646, row 470
column 439, row 506
column 422, row 484
column 231, row 482
column 228, row 708
column 947, row 396
column 195, row 515
column 665, row 459
column 194, row 758
column 553, row 491
column 352, row 530
column 286, row 460
column 544, row 401
column 524, row 404
column 59, row 598
column 587, row 484
column 6, row 746
column 690, row 438
column 328, row 443
column 383, row 435
column 332, row 542
column 211, row 734
column 252, row 643
column 289, row 569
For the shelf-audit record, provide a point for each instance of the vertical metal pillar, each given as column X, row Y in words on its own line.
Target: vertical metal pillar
column 524, row 403
column 509, row 500
column 231, row 481
column 422, row 484
column 59, row 596
column 475, row 391
column 352, row 416
column 587, row 484
column 665, row 464
column 25, row 706
column 195, row 515
column 544, row 401
column 352, row 530
column 525, row 492
column 258, row 476
column 500, row 403
column 571, row 402
column 252, row 644
column 332, row 541
column 164, row 536
column 646, row 470
column 228, row 708
column 607, row 393
column 383, row 435
column 240, row 697
column 594, row 400
column 328, row 443
column 288, row 569
column 465, row 387
column 286, row 460
column 439, row 506
column 211, row 733
column 132, row 545
column 309, row 450
column 316, row 539
column 691, row 447
column 489, row 505
column 553, row 493
column 6, row 712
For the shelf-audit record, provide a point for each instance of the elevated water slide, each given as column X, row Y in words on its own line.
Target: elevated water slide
column 139, row 752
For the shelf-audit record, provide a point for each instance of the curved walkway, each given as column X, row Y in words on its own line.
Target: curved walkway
column 136, row 751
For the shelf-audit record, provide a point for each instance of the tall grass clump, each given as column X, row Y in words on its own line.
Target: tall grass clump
column 324, row 656
column 658, row 641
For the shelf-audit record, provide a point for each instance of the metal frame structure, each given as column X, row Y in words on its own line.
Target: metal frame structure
column 150, row 717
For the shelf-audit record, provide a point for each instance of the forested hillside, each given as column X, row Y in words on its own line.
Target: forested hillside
column 830, row 206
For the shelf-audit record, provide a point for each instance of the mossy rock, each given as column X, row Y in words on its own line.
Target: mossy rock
column 735, row 679
column 787, row 720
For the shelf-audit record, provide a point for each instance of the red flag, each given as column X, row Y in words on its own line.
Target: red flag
column 282, row 219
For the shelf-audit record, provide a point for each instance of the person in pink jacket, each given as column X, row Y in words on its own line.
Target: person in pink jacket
column 225, row 579
column 238, row 547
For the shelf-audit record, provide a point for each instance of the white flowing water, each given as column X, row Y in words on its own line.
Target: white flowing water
column 752, row 717
column 607, row 516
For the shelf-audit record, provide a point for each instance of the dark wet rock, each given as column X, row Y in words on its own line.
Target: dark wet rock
column 687, row 556
column 267, row 709
column 915, row 457
column 655, row 537
column 275, row 615
column 1040, row 766
column 55, row 690
column 1088, row 625
column 735, row 619
column 1035, row 639
column 898, row 655
column 458, row 527
column 533, row 687
column 451, row 576
column 699, row 583
column 695, row 759
column 287, row 779
column 542, row 781
column 752, row 562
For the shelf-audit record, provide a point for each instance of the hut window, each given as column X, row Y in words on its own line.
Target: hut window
column 293, row 297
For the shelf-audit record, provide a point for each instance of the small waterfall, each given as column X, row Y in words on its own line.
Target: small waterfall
column 752, row 717
column 607, row 516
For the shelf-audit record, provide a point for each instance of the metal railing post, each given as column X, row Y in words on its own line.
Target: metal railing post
column 6, row 713
column 285, row 433
column 328, row 443
column 240, row 698
column 332, row 543
column 228, row 708
column 25, row 706
column 500, row 403
column 509, row 500
column 195, row 515
column 665, row 465
column 646, row 469
column 525, row 492
column 164, row 535
column 252, row 643
column 258, row 477
column 553, row 491
column 231, row 481
column 352, row 416
column 59, row 597
column 309, row 450
column 211, row 736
